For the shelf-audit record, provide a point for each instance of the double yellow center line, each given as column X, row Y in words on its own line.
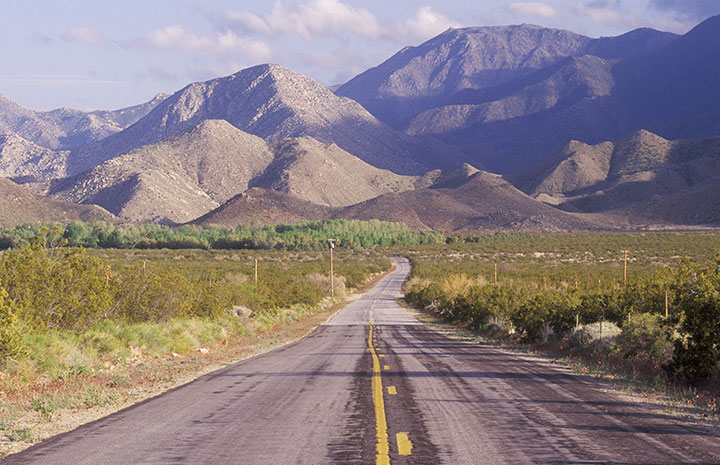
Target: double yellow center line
column 382, row 448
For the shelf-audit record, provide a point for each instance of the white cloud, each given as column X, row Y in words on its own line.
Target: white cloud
column 308, row 20
column 83, row 35
column 180, row 39
column 535, row 9
column 603, row 16
column 426, row 23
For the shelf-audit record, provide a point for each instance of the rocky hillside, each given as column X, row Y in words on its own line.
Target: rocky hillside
column 569, row 100
column 485, row 203
column 66, row 128
column 274, row 103
column 418, row 78
column 191, row 173
column 644, row 176
column 175, row 180
column 19, row 205
column 264, row 206
column 25, row 161
column 327, row 175
column 548, row 86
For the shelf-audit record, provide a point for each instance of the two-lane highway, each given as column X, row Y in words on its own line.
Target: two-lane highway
column 374, row 386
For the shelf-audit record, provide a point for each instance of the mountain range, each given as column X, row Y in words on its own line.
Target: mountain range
column 478, row 129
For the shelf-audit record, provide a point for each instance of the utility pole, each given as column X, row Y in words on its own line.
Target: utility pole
column 625, row 252
column 331, row 243
column 256, row 270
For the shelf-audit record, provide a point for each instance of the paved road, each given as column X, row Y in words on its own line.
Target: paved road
column 374, row 386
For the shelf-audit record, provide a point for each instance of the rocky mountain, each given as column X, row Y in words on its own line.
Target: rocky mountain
column 19, row 205
column 673, row 91
column 82, row 128
column 485, row 203
column 25, row 161
column 479, row 95
column 423, row 77
column 66, row 128
column 327, row 175
column 191, row 173
column 175, row 180
column 569, row 100
column 265, row 206
column 275, row 103
column 644, row 177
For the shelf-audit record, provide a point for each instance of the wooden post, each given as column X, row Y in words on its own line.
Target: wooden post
column 666, row 304
column 496, row 274
column 256, row 271
column 625, row 252
column 331, row 243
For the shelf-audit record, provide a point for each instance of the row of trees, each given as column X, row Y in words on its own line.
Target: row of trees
column 536, row 311
column 301, row 236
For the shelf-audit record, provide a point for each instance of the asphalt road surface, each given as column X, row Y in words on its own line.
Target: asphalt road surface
column 372, row 386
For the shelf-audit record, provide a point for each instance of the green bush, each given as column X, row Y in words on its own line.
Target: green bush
column 644, row 337
column 697, row 298
column 10, row 337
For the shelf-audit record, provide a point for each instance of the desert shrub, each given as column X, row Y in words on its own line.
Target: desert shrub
column 644, row 337
column 10, row 337
column 580, row 338
column 56, row 287
column 697, row 298
column 531, row 317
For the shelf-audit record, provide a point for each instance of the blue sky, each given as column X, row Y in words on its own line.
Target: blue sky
column 101, row 55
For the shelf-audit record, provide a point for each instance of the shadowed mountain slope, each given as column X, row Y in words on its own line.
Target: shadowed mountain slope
column 265, row 206
column 484, row 203
column 643, row 176
column 418, row 78
column 19, row 205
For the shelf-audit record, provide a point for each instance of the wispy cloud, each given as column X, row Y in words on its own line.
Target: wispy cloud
column 85, row 36
column 599, row 14
column 309, row 20
column 426, row 23
column 338, row 20
column 532, row 9
column 180, row 39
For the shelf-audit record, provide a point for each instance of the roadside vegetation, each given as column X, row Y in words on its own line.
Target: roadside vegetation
column 567, row 294
column 80, row 327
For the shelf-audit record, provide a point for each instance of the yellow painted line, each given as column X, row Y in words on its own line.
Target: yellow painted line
column 382, row 447
column 392, row 390
column 381, row 355
column 404, row 444
column 386, row 367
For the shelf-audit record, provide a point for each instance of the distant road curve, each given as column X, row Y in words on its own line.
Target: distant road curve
column 374, row 386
